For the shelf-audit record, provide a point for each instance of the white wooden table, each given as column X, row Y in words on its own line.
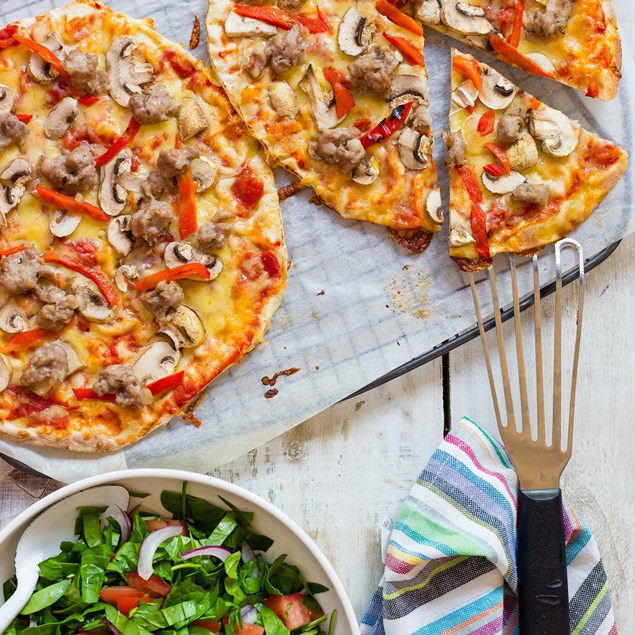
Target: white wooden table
column 341, row 472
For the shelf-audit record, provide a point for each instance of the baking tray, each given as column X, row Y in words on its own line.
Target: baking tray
column 441, row 349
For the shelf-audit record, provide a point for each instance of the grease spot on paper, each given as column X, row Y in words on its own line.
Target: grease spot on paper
column 409, row 292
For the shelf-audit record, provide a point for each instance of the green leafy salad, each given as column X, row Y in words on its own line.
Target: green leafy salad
column 201, row 571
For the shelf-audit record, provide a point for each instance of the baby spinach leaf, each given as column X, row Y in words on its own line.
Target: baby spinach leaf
column 45, row 597
column 259, row 542
column 314, row 588
column 55, row 568
column 123, row 624
column 92, row 579
column 223, row 529
column 232, row 564
column 272, row 623
column 44, row 629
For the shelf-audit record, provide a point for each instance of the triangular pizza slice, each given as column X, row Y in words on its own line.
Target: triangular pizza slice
column 575, row 42
column 522, row 174
column 337, row 93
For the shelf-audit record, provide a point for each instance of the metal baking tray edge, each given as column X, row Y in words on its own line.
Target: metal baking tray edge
column 441, row 349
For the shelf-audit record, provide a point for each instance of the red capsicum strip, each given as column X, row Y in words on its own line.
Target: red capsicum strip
column 396, row 15
column 68, row 203
column 122, row 142
column 387, row 126
column 46, row 54
column 88, row 100
column 85, row 392
column 188, row 217
column 176, row 273
column 493, row 170
column 501, row 156
column 514, row 36
column 280, row 18
column 486, row 123
column 469, row 68
column 11, row 250
column 512, row 55
column 344, row 101
column 24, row 118
column 98, row 277
column 477, row 214
column 25, row 340
column 166, row 383
column 410, row 52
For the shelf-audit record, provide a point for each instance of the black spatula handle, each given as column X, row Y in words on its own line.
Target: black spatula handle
column 542, row 565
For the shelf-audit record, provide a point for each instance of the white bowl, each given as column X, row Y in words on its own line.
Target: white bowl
column 288, row 537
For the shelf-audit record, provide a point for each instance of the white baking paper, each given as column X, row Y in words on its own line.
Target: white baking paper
column 357, row 305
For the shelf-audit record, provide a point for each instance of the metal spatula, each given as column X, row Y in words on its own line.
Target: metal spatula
column 542, row 568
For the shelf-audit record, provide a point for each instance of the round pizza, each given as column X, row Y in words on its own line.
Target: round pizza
column 141, row 243
column 338, row 94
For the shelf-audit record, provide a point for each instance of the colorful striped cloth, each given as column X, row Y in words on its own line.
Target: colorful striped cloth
column 450, row 555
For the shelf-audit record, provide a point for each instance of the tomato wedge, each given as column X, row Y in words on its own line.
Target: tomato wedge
column 501, row 156
column 514, row 56
column 469, row 68
column 214, row 627
column 126, row 603
column 411, row 53
column 166, row 383
column 477, row 214
column 176, row 273
column 98, row 277
column 486, row 123
column 153, row 584
column 27, row 339
column 70, row 204
column 396, row 15
column 110, row 594
column 188, row 216
column 122, row 142
column 292, row 610
column 344, row 100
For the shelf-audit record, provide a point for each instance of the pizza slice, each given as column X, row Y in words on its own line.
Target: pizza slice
column 522, row 174
column 575, row 42
column 337, row 93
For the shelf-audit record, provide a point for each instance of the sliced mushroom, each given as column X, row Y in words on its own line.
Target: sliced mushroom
column 434, row 207
column 414, row 149
column 6, row 99
column 428, row 11
column 124, row 275
column 6, row 372
column 61, row 118
column 12, row 318
column 465, row 18
column 240, row 26
column 182, row 253
column 367, row 171
column 12, row 183
column 355, row 33
column 283, row 99
column 92, row 303
column 184, row 328
column 496, row 92
column 408, row 88
column 190, row 119
column 156, row 360
column 503, row 184
column 465, row 94
column 40, row 70
column 460, row 236
column 523, row 154
column 64, row 223
column 119, row 234
column 74, row 363
column 112, row 196
column 126, row 74
column 559, row 135
column 323, row 110
column 204, row 173
column 542, row 60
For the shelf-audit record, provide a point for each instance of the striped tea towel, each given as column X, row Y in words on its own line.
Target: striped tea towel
column 451, row 554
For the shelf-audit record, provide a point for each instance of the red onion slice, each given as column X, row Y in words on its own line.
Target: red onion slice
column 249, row 614
column 247, row 554
column 121, row 518
column 222, row 553
column 150, row 545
